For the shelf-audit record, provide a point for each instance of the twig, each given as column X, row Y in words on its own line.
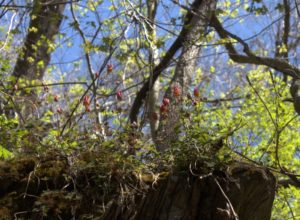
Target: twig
column 87, row 58
column 113, row 49
column 228, row 201
column 14, row 6
column 290, row 208
column 263, row 102
column 52, row 84
column 297, row 8
column 8, row 32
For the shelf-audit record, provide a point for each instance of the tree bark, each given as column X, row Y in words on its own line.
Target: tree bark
column 185, row 68
column 44, row 25
column 153, row 60
column 49, row 187
column 34, row 57
column 189, row 21
column 243, row 192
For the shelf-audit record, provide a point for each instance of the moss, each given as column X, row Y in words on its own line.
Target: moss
column 57, row 203
column 51, row 169
column 13, row 171
column 5, row 213
column 6, row 207
column 53, row 186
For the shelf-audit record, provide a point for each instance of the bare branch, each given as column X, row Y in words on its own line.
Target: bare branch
column 250, row 58
column 289, row 182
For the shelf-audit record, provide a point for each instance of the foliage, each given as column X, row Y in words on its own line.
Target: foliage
column 101, row 58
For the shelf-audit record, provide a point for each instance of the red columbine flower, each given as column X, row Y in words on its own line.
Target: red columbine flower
column 120, row 95
column 163, row 108
column 59, row 110
column 176, row 91
column 86, row 101
column 109, row 68
column 196, row 92
column 87, row 109
column 56, row 98
column 166, row 101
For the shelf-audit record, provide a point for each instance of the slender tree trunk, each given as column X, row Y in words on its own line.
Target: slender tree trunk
column 185, row 67
column 153, row 61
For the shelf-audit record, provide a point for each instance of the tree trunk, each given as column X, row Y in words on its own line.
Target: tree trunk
column 243, row 192
column 34, row 57
column 185, row 68
column 153, row 61
column 49, row 187
column 44, row 25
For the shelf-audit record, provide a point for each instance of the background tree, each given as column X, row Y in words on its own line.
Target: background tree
column 227, row 68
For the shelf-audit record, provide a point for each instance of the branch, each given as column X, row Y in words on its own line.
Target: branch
column 297, row 8
column 8, row 31
column 88, row 60
column 250, row 58
column 289, row 182
column 285, row 37
column 227, row 199
column 51, row 3
column 112, row 51
column 52, row 84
